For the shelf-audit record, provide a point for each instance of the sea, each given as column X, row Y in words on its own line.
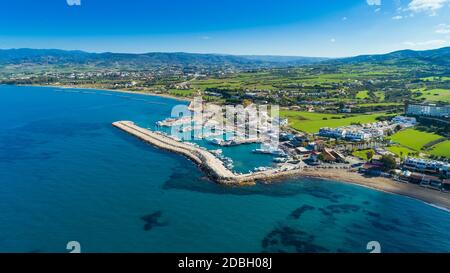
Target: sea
column 66, row 174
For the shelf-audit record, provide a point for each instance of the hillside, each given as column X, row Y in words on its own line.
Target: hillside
column 54, row 57
column 440, row 57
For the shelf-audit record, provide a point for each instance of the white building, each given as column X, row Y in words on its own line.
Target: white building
column 332, row 132
column 358, row 135
column 431, row 110
column 425, row 164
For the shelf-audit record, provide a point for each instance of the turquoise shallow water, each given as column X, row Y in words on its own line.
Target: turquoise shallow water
column 66, row 174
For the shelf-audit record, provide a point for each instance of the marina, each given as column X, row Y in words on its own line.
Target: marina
column 216, row 169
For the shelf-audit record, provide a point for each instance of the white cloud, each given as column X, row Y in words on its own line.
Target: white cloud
column 377, row 10
column 428, row 6
column 74, row 2
column 443, row 29
column 426, row 44
column 398, row 17
column 332, row 40
column 373, row 2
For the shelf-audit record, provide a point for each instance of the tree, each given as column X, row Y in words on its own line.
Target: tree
column 321, row 157
column 370, row 153
column 247, row 102
column 388, row 162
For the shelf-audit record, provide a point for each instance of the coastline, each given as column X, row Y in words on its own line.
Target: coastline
column 167, row 96
column 213, row 168
column 431, row 197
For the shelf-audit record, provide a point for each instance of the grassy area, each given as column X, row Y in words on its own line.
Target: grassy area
column 414, row 139
column 435, row 95
column 380, row 104
column 312, row 122
column 400, row 151
column 362, row 95
column 380, row 95
column 362, row 154
column 181, row 93
column 441, row 149
column 436, row 78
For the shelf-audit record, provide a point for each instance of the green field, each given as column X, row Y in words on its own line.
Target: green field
column 380, row 95
column 436, row 78
column 312, row 122
column 414, row 139
column 441, row 149
column 362, row 95
column 362, row 154
column 380, row 104
column 400, row 151
column 182, row 93
column 435, row 95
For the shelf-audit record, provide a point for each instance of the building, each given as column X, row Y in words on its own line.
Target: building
column 404, row 121
column 425, row 165
column 332, row 132
column 358, row 135
column 363, row 132
column 429, row 110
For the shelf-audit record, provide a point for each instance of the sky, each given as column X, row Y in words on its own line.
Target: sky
column 321, row 28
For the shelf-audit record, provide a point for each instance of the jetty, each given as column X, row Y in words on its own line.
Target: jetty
column 213, row 167
column 205, row 159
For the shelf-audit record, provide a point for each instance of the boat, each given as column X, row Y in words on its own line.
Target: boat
column 216, row 141
column 268, row 151
column 261, row 151
column 280, row 159
column 260, row 169
column 216, row 152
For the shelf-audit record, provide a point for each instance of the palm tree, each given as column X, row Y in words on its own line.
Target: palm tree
column 370, row 155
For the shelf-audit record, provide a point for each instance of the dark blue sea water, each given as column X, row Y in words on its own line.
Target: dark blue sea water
column 66, row 174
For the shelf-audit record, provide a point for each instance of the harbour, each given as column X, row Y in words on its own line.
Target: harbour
column 103, row 181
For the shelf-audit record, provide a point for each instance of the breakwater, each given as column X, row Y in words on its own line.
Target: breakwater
column 213, row 167
column 209, row 163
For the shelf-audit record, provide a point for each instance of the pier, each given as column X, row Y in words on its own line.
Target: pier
column 212, row 166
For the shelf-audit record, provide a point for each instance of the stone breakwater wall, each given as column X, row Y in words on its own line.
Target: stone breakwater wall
column 210, row 164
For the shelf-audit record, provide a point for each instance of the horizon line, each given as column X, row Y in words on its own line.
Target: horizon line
column 220, row 54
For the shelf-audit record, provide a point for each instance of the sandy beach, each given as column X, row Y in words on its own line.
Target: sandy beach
column 429, row 196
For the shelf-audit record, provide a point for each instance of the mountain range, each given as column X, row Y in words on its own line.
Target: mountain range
column 55, row 58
